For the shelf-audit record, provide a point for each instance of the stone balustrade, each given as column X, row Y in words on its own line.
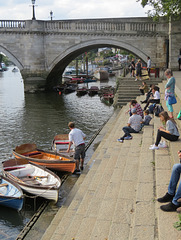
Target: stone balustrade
column 94, row 25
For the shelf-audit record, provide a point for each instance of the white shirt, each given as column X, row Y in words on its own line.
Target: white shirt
column 76, row 136
column 149, row 63
column 156, row 95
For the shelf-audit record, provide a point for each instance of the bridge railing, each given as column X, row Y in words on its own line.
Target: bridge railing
column 99, row 26
column 83, row 26
column 12, row 24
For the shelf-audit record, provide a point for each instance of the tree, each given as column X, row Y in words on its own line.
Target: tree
column 168, row 8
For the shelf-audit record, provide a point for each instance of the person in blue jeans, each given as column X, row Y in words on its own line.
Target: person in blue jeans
column 172, row 195
column 134, row 126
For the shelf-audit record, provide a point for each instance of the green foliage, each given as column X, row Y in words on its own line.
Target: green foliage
column 177, row 225
column 169, row 8
column 4, row 59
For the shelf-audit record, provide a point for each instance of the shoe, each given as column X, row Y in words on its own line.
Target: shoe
column 128, row 138
column 162, row 145
column 81, row 168
column 120, row 140
column 136, row 79
column 76, row 171
column 153, row 147
column 166, row 198
column 170, row 207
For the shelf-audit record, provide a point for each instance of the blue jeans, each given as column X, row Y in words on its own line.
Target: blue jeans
column 176, row 171
column 127, row 131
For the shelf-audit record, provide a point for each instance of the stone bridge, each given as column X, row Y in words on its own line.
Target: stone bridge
column 43, row 49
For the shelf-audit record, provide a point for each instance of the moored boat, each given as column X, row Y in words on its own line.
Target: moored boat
column 81, row 91
column 101, row 74
column 11, row 194
column 60, row 144
column 33, row 179
column 93, row 90
column 49, row 159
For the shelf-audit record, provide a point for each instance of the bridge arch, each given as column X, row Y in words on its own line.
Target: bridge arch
column 59, row 64
column 11, row 57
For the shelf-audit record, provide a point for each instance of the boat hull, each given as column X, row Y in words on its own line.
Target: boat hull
column 51, row 160
column 33, row 179
column 16, row 200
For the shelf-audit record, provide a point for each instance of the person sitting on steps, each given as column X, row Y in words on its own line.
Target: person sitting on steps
column 173, row 195
column 170, row 133
column 149, row 94
column 134, row 126
column 155, row 99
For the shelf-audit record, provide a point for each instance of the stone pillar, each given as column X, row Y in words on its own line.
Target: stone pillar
column 174, row 44
column 34, row 81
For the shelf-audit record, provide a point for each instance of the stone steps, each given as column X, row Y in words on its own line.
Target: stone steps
column 128, row 89
column 115, row 197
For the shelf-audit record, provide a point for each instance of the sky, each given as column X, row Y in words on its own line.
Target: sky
column 71, row 9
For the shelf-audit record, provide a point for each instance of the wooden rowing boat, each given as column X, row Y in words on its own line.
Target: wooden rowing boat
column 31, row 178
column 60, row 145
column 51, row 160
column 11, row 194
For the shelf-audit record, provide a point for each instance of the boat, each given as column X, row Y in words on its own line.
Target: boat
column 33, row 179
column 60, row 144
column 93, row 90
column 101, row 74
column 11, row 194
column 88, row 80
column 49, row 159
column 81, row 91
column 69, row 88
column 14, row 70
column 108, row 97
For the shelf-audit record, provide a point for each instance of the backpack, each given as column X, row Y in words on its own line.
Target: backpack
column 158, row 109
column 151, row 108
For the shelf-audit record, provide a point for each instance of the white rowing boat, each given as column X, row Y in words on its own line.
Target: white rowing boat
column 34, row 179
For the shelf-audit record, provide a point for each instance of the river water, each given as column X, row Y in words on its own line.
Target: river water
column 38, row 117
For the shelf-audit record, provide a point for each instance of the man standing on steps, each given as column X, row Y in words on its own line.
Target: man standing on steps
column 77, row 137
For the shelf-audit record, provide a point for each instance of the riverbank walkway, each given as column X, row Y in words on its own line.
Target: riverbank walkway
column 115, row 196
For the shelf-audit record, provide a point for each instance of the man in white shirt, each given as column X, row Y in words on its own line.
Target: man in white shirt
column 77, row 137
column 148, row 65
column 155, row 99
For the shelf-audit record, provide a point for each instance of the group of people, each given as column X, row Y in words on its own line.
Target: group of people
column 170, row 132
column 138, row 118
column 138, row 68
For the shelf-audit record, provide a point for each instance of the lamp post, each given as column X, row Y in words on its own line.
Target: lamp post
column 51, row 15
column 33, row 5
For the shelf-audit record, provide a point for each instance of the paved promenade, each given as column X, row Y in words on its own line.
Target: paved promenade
column 115, row 197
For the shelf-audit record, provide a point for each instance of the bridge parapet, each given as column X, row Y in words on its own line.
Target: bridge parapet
column 97, row 26
column 9, row 24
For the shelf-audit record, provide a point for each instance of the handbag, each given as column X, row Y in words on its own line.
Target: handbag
column 179, row 115
column 172, row 100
